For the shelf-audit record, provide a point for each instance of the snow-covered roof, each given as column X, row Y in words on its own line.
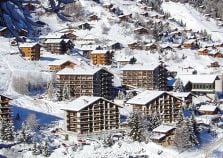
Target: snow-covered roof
column 140, row 67
column 180, row 94
column 27, row 45
column 62, row 61
column 87, row 47
column 80, row 103
column 52, row 36
column 3, row 28
column 211, row 108
column 79, row 70
column 198, row 78
column 99, row 51
column 163, row 128
column 157, row 136
column 145, row 97
column 54, row 40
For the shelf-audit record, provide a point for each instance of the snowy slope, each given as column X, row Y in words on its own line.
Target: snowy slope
column 193, row 19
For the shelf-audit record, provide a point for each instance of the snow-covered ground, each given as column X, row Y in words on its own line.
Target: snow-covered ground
column 193, row 19
column 48, row 112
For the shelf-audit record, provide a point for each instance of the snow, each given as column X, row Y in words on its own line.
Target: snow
column 198, row 78
column 163, row 128
column 79, row 70
column 210, row 108
column 145, row 97
column 140, row 67
column 54, row 40
column 99, row 52
column 80, row 103
column 27, row 45
column 193, row 19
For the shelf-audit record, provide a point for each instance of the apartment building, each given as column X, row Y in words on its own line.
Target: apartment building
column 5, row 108
column 89, row 114
column 151, row 77
column 30, row 51
column 86, row 80
column 101, row 57
column 165, row 105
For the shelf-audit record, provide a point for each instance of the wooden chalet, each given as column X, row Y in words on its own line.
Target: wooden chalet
column 163, row 135
column 141, row 31
column 3, row 31
column 55, row 46
column 30, row 51
column 203, row 51
column 58, row 65
column 5, row 108
column 101, row 57
column 208, row 109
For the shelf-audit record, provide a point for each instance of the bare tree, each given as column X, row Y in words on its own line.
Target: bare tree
column 31, row 122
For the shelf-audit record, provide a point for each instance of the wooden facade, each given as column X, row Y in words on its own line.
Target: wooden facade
column 162, row 103
column 57, row 66
column 163, row 135
column 30, row 51
column 80, row 81
column 5, row 108
column 55, row 46
column 101, row 57
column 89, row 114
column 143, row 76
column 203, row 51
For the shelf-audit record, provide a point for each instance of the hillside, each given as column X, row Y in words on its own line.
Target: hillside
column 27, row 82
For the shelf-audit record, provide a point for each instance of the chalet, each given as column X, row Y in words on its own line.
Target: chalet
column 30, row 51
column 135, row 45
column 86, row 80
column 216, row 53
column 123, row 60
column 141, row 30
column 200, row 83
column 151, row 46
column 101, row 57
column 163, row 135
column 84, row 26
column 6, row 112
column 23, row 32
column 93, row 17
column 190, row 44
column 87, row 49
column 116, row 46
column 55, row 46
column 52, row 36
column 203, row 51
column 214, row 64
column 89, row 114
column 126, row 17
column 58, row 65
column 71, row 35
column 162, row 103
column 208, row 109
column 150, row 77
column 3, row 31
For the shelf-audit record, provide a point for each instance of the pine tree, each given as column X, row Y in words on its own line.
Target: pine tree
column 46, row 152
column 108, row 141
column 66, row 91
column 50, row 90
column 182, row 138
column 7, row 130
column 178, row 86
column 193, row 131
column 35, row 150
column 135, row 125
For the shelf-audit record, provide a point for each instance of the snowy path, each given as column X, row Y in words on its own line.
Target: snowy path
column 193, row 19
